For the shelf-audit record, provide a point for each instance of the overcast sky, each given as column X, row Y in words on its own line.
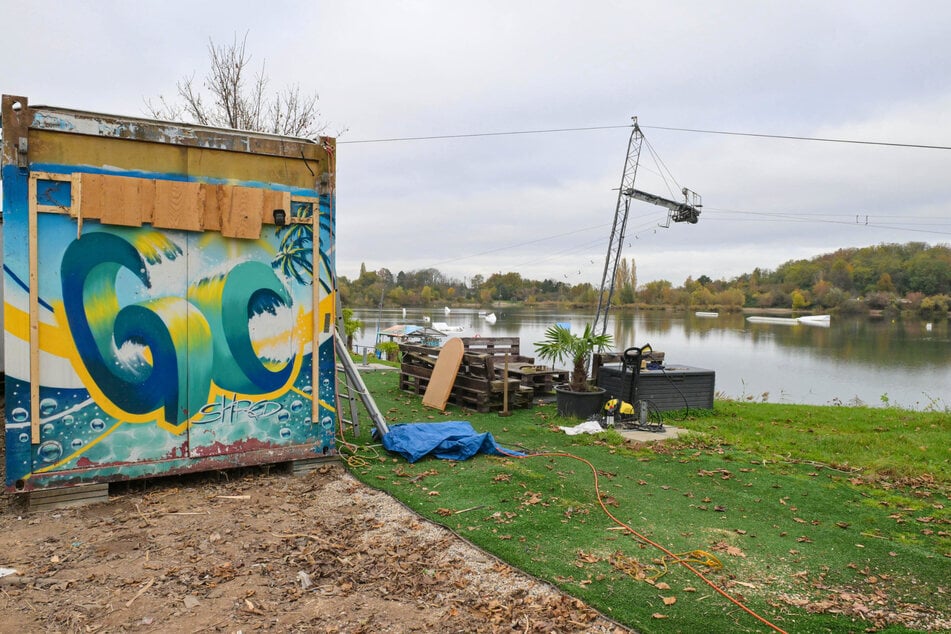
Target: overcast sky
column 542, row 204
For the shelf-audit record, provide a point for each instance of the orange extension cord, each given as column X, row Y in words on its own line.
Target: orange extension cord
column 675, row 558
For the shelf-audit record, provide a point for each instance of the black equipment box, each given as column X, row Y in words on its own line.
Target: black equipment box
column 674, row 387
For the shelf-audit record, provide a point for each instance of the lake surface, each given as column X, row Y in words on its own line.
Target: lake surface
column 856, row 360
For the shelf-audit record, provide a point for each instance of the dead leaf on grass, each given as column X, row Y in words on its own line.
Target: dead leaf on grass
column 669, row 600
column 588, row 558
column 729, row 549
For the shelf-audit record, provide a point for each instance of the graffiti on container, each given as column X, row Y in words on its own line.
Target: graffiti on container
column 164, row 353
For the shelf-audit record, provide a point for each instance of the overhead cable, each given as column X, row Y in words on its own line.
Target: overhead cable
column 483, row 134
column 759, row 135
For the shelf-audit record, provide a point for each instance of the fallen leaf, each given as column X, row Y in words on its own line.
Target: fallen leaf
column 658, row 615
column 669, row 600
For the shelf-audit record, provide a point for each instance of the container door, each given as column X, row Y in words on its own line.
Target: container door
column 110, row 346
column 256, row 299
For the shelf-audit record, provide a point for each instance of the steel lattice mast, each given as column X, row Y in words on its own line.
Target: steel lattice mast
column 687, row 211
column 606, row 291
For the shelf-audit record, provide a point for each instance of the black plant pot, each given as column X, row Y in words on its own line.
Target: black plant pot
column 578, row 404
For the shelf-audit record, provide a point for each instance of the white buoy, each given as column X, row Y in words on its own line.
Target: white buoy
column 447, row 310
column 928, row 326
column 404, row 313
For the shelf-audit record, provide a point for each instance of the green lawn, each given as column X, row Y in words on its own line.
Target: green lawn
column 818, row 519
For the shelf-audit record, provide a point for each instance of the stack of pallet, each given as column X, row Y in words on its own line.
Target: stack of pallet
column 478, row 385
column 540, row 378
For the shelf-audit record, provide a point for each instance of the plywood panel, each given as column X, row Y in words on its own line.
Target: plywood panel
column 124, row 201
column 243, row 218
column 117, row 200
column 179, row 205
column 216, row 198
column 237, row 212
column 274, row 199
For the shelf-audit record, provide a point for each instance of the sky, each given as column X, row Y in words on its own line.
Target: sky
column 542, row 203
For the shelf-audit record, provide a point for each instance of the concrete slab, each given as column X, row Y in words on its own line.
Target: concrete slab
column 375, row 366
column 370, row 366
column 648, row 436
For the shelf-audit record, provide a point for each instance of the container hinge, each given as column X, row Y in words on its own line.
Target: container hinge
column 23, row 147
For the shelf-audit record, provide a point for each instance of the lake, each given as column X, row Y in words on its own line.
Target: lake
column 856, row 360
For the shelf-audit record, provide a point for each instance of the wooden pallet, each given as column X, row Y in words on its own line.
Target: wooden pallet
column 79, row 495
column 541, row 379
column 497, row 348
column 303, row 467
column 478, row 384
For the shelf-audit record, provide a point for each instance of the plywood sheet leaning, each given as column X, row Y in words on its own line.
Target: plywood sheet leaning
column 444, row 374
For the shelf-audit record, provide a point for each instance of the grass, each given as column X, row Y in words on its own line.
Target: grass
column 841, row 509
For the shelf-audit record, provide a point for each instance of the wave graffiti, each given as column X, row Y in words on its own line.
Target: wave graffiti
column 162, row 355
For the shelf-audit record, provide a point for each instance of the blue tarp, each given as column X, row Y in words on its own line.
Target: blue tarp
column 451, row 440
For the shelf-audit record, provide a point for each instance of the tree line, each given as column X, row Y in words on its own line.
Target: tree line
column 912, row 276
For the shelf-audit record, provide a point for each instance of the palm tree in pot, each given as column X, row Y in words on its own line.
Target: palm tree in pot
column 560, row 345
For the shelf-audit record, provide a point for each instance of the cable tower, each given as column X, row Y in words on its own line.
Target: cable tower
column 687, row 211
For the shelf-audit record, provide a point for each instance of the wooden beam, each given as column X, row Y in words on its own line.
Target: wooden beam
column 33, row 247
column 315, row 321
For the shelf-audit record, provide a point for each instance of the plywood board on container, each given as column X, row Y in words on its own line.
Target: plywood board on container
column 274, row 199
column 444, row 374
column 216, row 198
column 118, row 200
column 179, row 205
column 243, row 217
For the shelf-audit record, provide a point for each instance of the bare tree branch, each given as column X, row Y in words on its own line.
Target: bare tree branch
column 226, row 99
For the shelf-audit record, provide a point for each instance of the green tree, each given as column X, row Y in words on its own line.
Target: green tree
column 799, row 300
column 655, row 293
column 930, row 274
column 885, row 283
column 350, row 326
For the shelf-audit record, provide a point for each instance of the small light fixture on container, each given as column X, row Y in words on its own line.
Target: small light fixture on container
column 280, row 217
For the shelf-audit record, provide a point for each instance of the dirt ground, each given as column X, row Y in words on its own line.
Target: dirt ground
column 261, row 551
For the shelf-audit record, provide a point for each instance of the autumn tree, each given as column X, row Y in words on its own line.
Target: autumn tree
column 626, row 280
column 231, row 96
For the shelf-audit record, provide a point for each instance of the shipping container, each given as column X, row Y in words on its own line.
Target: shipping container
column 168, row 297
